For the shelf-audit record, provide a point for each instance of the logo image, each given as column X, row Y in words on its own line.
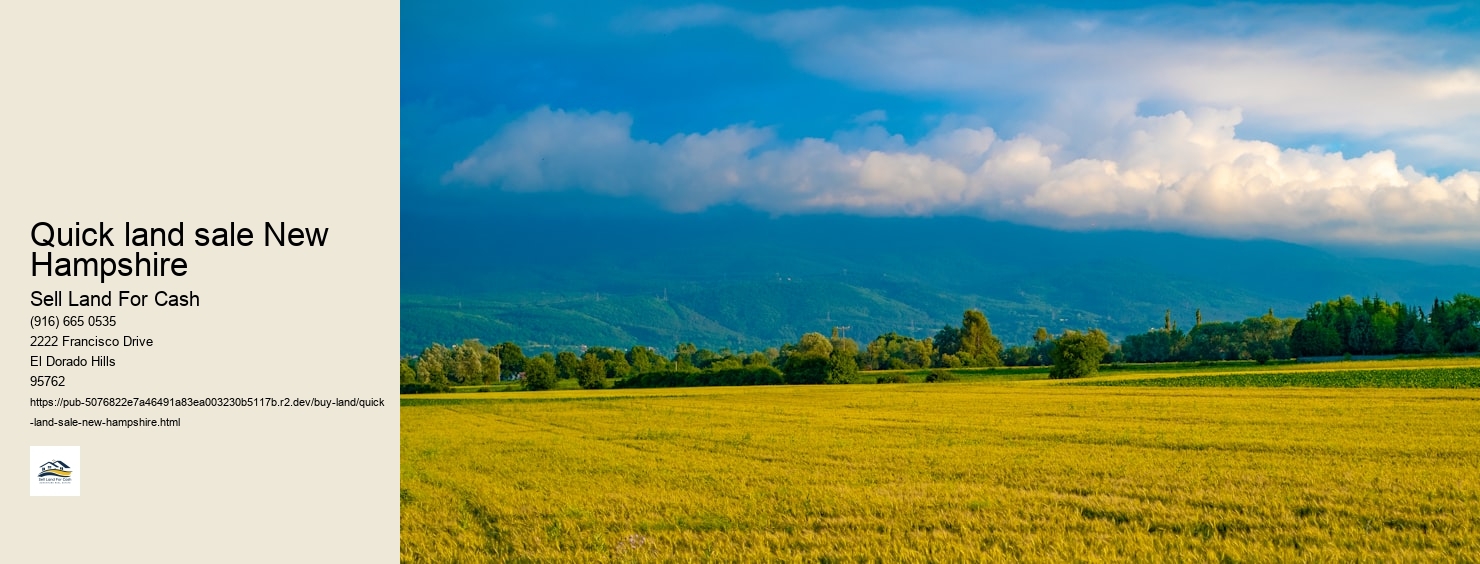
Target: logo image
column 55, row 468
column 54, row 471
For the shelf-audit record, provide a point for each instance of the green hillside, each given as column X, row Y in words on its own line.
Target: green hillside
column 753, row 282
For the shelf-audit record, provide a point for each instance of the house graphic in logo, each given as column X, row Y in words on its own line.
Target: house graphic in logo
column 55, row 468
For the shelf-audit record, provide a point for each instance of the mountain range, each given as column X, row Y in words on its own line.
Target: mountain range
column 744, row 280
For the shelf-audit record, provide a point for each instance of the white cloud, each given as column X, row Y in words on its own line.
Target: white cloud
column 1329, row 70
column 557, row 150
column 1181, row 172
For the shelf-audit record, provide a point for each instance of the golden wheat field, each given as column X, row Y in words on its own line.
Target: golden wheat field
column 960, row 471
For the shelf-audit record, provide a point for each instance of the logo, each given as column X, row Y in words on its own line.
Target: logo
column 56, row 469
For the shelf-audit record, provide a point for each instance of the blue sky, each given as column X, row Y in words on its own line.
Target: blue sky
column 1322, row 124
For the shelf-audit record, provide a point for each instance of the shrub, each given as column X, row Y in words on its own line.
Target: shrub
column 1076, row 355
column 419, row 388
column 591, row 372
column 539, row 374
column 806, row 369
column 1465, row 340
column 760, row 375
column 842, row 367
column 939, row 375
column 896, row 378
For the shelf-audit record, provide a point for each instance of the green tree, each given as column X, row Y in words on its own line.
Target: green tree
column 613, row 360
column 1464, row 313
column 1156, row 345
column 842, row 362
column 1311, row 338
column 1362, row 338
column 807, row 361
column 408, row 374
column 1267, row 336
column 814, row 344
column 947, row 341
column 977, row 340
column 919, row 352
column 1431, row 344
column 1465, row 340
column 539, row 374
column 703, row 358
column 1218, row 341
column 892, row 351
column 643, row 359
column 565, row 365
column 1020, row 355
column 805, row 369
column 511, row 357
column 683, row 357
column 591, row 373
column 757, row 358
column 1411, row 342
column 467, row 362
column 431, row 366
column 1076, row 355
column 1041, row 336
column 725, row 362
column 1384, row 332
column 492, row 366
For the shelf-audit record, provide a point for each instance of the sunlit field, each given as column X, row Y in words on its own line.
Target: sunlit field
column 985, row 468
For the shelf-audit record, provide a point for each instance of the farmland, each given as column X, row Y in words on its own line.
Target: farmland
column 1369, row 378
column 991, row 467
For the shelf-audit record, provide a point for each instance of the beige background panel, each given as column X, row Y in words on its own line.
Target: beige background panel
column 208, row 113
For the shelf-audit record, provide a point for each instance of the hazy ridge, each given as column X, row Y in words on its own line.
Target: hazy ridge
column 745, row 280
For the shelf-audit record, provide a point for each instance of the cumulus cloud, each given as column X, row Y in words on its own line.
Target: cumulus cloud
column 1181, row 171
column 1299, row 69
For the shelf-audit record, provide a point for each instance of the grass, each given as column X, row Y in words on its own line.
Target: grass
column 982, row 469
column 998, row 374
column 510, row 386
column 1450, row 377
column 1221, row 369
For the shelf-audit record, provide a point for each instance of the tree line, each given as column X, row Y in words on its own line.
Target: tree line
column 1374, row 326
column 1342, row 326
column 1257, row 338
column 812, row 359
